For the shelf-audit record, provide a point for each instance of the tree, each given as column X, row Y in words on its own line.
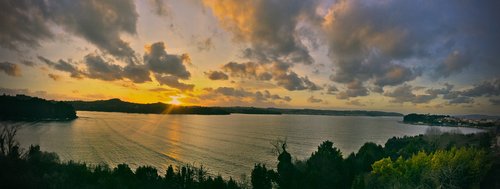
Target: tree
column 455, row 168
column 8, row 145
column 325, row 168
column 286, row 169
column 261, row 177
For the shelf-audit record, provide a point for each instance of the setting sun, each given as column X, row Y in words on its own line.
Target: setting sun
column 175, row 100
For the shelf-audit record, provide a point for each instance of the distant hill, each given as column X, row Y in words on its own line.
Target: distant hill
column 26, row 108
column 335, row 112
column 117, row 105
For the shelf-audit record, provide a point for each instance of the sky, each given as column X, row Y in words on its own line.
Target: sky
column 389, row 55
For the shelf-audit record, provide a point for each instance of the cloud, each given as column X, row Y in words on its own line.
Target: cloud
column 240, row 96
column 461, row 100
column 292, row 82
column 354, row 89
column 216, row 75
column 446, row 91
column 272, row 33
column 370, row 42
column 98, row 68
column 54, row 77
column 405, row 93
column 495, row 102
column 332, row 90
column 278, row 71
column 173, row 81
column 99, row 22
column 22, row 23
column 269, row 27
column 10, row 69
column 485, row 88
column 138, row 73
column 454, row 63
column 229, row 91
column 245, row 70
column 311, row 99
column 158, row 61
column 63, row 66
column 28, row 63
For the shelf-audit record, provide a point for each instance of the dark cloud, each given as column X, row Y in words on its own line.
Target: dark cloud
column 173, row 81
column 22, row 23
column 405, row 93
column 485, row 88
column 169, row 68
column 461, row 100
column 229, row 91
column 138, row 73
column 243, row 70
column 292, row 82
column 446, row 91
column 27, row 22
column 278, row 71
column 332, row 90
column 28, row 63
column 354, row 89
column 269, row 27
column 54, row 77
column 454, row 63
column 241, row 95
column 370, row 41
column 311, row 99
column 158, row 61
column 63, row 66
column 267, row 95
column 98, row 68
column 10, row 69
column 216, row 75
column 99, row 23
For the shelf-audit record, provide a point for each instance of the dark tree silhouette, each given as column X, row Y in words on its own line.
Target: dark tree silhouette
column 261, row 177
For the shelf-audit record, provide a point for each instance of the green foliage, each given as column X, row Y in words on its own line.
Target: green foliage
column 455, row 168
column 325, row 167
column 37, row 169
column 425, row 161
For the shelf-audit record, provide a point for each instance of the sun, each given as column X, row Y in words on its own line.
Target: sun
column 175, row 100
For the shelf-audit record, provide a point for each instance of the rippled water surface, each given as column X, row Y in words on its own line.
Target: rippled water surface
column 225, row 144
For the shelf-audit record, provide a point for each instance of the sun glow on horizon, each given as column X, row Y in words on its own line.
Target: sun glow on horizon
column 175, row 100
